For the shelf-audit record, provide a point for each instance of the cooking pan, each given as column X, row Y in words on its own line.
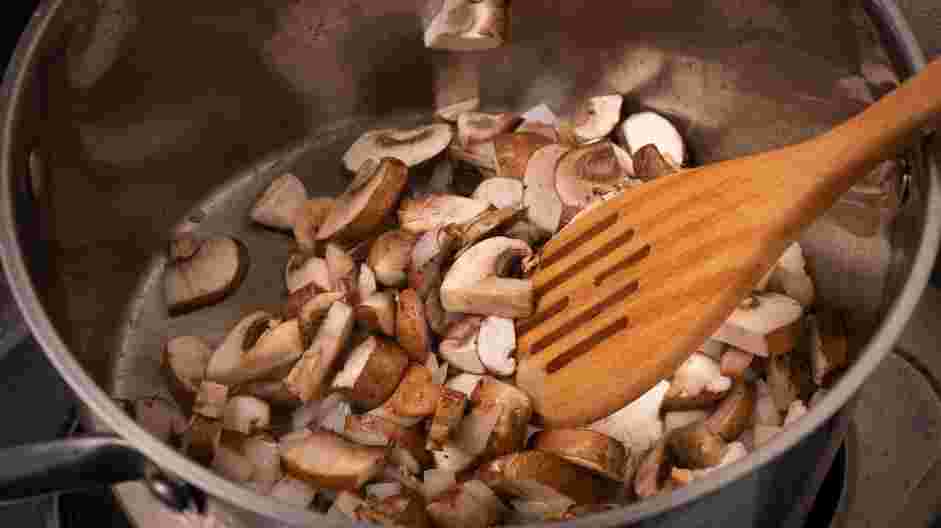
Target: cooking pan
column 126, row 120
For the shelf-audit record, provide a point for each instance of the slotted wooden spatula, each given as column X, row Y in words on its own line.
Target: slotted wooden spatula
column 628, row 291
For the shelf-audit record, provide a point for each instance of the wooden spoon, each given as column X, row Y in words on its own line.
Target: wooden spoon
column 628, row 291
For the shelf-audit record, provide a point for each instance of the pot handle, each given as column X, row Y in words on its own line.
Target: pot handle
column 33, row 470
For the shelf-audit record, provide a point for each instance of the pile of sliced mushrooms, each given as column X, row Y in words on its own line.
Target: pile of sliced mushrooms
column 383, row 389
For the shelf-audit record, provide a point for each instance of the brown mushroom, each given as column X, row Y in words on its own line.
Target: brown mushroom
column 246, row 414
column 477, row 127
column 278, row 205
column 364, row 206
column 308, row 219
column 202, row 438
column 341, row 268
column 638, row 424
column 433, row 211
column 500, row 192
column 647, row 128
column 488, row 223
column 459, row 346
column 734, row 362
column 514, row 408
column 541, row 476
column 696, row 446
column 697, row 383
column 303, row 270
column 653, row 471
column 470, row 504
column 309, row 375
column 390, row 256
column 586, row 173
column 371, row 373
column 412, row 330
column 588, row 449
column 496, row 343
column 312, row 311
column 597, row 117
column 258, row 346
column 205, row 275
column 450, row 113
column 481, row 156
column 184, row 362
column 415, row 398
column 377, row 313
column 448, row 414
column 274, row 392
column 231, row 464
column 474, row 284
column 513, row 152
column 650, row 165
column 325, row 459
column 210, row 399
column 411, row 146
column 541, row 199
column 406, row 444
column 734, row 413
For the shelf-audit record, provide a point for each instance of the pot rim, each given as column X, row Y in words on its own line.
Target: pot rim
column 893, row 27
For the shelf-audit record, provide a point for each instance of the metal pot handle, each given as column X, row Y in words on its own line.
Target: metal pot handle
column 34, row 470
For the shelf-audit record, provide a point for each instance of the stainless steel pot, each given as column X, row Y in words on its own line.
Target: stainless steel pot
column 120, row 115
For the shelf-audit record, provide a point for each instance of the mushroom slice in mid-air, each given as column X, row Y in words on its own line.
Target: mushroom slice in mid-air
column 307, row 221
column 372, row 194
column 377, row 313
column 418, row 215
column 390, row 256
column 476, row 127
column 203, row 273
column 647, row 128
column 763, row 325
column 513, row 152
column 326, row 459
column 541, row 476
column 589, row 449
column 597, row 117
column 184, row 362
column 586, row 173
column 278, row 205
column 470, row 504
column 638, row 424
column 410, row 145
column 459, row 346
column 309, row 375
column 467, row 25
column 474, row 284
column 412, row 330
column 371, row 373
column 500, row 192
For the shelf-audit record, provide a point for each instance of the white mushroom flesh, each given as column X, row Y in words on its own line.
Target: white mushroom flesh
column 301, row 271
column 646, row 128
column 600, row 116
column 278, row 205
column 411, row 146
column 500, row 192
column 638, row 425
column 495, row 345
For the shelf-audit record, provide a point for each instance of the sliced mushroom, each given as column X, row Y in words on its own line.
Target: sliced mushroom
column 448, row 414
column 588, row 449
column 459, row 346
column 481, row 156
column 828, row 344
column 790, row 277
column 464, row 383
column 735, row 412
column 262, row 452
column 364, row 206
column 597, row 117
column 279, row 204
column 303, row 270
column 184, row 362
column 210, row 399
column 377, row 313
column 347, row 506
column 412, row 146
column 513, row 152
column 676, row 419
column 514, row 407
column 246, row 414
column 541, row 199
column 474, row 285
column 390, row 256
column 653, row 471
column 540, row 120
column 334, row 415
column 308, row 377
column 452, row 458
column 415, row 398
column 418, row 215
column 763, row 325
column 766, row 411
column 500, row 192
column 477, row 127
column 696, row 446
column 471, row 504
column 638, row 424
column 293, row 491
column 467, row 25
column 406, row 444
column 647, row 128
column 341, row 268
column 473, row 434
column 206, row 276
column 495, row 345
column 371, row 373
column 202, row 438
column 438, row 318
column 308, row 219
column 160, row 418
column 735, row 362
column 257, row 347
column 541, row 476
column 402, row 509
column 327, row 460
column 452, row 112
column 586, row 173
column 232, row 465
column 311, row 311
column 437, row 481
column 488, row 223
column 784, row 389
column 697, row 383
column 649, row 164
column 412, row 330
column 274, row 392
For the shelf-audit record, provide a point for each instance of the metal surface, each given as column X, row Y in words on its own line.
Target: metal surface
column 142, row 109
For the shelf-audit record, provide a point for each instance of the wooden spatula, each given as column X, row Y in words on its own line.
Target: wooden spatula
column 628, row 291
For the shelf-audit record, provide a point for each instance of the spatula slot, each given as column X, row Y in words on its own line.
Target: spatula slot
column 585, row 317
column 572, row 245
column 585, row 346
column 625, row 263
column 584, row 262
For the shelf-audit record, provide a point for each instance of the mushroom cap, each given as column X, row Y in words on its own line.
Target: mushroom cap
column 586, row 173
column 364, row 206
column 477, row 127
column 513, row 152
column 588, row 449
column 409, row 145
column 418, row 215
column 598, row 117
column 206, row 277
column 538, row 475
